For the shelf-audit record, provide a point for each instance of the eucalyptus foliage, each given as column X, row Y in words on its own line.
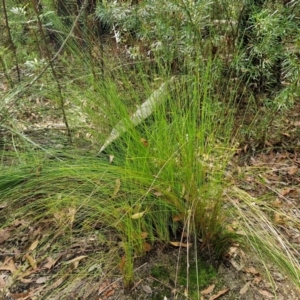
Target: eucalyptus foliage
column 168, row 26
column 267, row 29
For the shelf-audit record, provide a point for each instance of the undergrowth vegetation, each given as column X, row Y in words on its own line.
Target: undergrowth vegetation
column 164, row 90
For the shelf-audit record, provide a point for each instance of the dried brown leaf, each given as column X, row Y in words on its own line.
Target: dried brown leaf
column 266, row 294
column 76, row 259
column 50, row 263
column 138, row 215
column 219, row 294
column 279, row 219
column 232, row 250
column 19, row 295
column 158, row 194
column 230, row 228
column 109, row 293
column 42, row 279
column 24, row 280
column 144, row 235
column 257, row 279
column 147, row 289
column 285, row 191
column 268, row 143
column 292, row 170
column 4, row 235
column 208, row 290
column 245, row 288
column 296, row 123
column 179, row 244
column 31, row 261
column 277, row 203
column 178, row 218
column 144, row 142
column 147, row 247
column 8, row 265
column 33, row 245
column 2, row 281
column 103, row 287
column 251, row 270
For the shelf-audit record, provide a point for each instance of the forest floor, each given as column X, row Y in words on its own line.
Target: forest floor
column 273, row 171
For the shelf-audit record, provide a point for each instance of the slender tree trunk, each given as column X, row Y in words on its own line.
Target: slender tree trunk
column 12, row 46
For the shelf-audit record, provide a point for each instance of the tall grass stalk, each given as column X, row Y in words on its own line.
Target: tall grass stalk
column 270, row 245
